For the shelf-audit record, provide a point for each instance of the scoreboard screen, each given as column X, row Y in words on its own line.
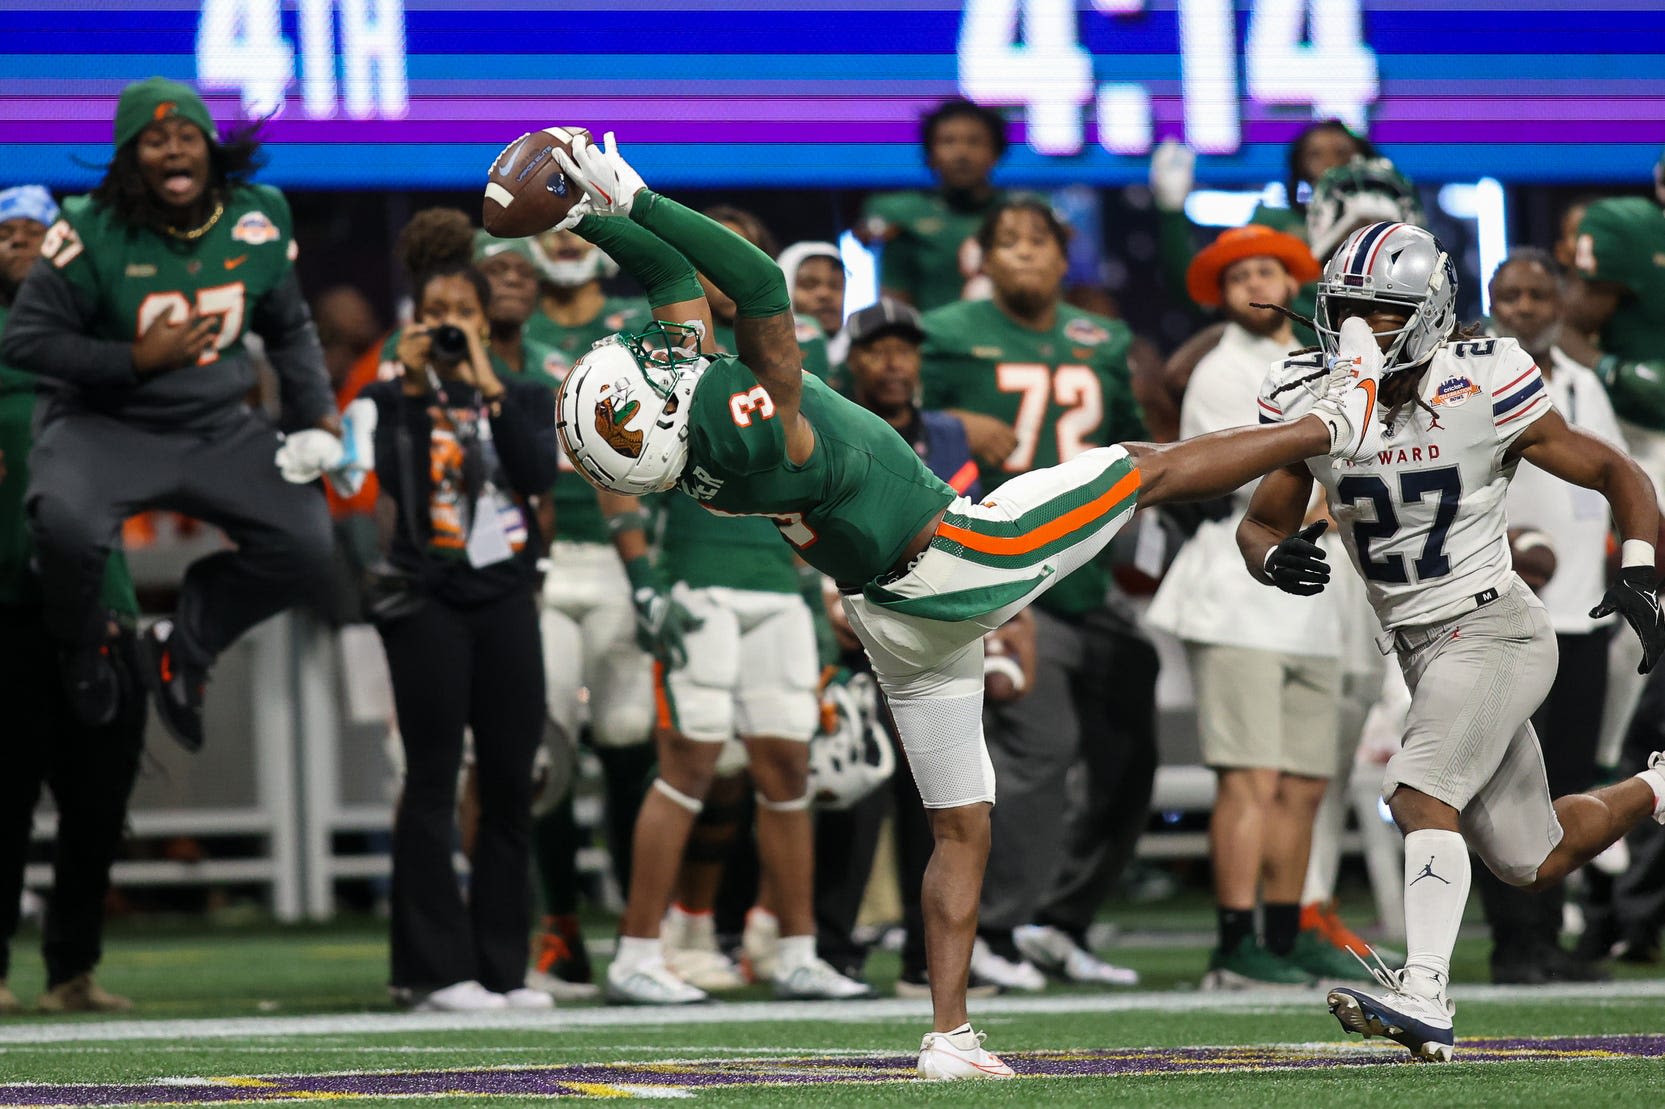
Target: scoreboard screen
column 378, row 94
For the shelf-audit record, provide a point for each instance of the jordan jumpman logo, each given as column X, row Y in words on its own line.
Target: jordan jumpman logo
column 1428, row 872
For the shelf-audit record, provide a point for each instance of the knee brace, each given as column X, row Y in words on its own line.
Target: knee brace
column 677, row 797
column 796, row 804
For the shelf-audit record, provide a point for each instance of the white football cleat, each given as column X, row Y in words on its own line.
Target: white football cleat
column 1423, row 1025
column 949, row 1056
column 1052, row 950
column 817, row 980
column 650, row 984
column 1348, row 405
column 525, row 997
column 1022, row 975
column 461, row 997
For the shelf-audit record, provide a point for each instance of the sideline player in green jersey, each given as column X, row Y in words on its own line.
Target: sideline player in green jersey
column 1059, row 376
column 925, row 574
column 1620, row 255
column 138, row 310
column 930, row 253
column 89, row 769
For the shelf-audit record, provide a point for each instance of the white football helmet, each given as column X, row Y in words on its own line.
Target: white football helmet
column 1359, row 192
column 622, row 413
column 1391, row 264
column 850, row 760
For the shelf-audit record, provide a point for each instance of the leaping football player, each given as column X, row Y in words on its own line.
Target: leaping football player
column 924, row 573
column 1421, row 511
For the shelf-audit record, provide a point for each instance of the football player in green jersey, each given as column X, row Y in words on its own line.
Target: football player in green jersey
column 930, row 253
column 1620, row 255
column 925, row 574
column 90, row 769
column 138, row 311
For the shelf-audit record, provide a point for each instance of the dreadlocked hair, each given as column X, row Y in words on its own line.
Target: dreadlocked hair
column 1389, row 414
column 233, row 159
column 439, row 242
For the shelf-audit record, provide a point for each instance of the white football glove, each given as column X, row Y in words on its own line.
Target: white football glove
column 1172, row 174
column 577, row 212
column 1348, row 406
column 606, row 178
column 306, row 455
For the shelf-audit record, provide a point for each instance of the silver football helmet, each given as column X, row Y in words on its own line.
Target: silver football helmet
column 622, row 412
column 1391, row 264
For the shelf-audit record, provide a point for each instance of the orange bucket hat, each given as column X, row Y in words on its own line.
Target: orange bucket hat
column 1252, row 240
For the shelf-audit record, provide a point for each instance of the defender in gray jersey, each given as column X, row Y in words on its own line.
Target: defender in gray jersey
column 1421, row 513
column 925, row 574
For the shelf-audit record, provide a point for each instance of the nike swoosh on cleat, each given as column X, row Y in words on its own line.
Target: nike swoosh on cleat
column 1370, row 409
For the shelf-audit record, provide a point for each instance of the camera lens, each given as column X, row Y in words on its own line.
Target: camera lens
column 449, row 344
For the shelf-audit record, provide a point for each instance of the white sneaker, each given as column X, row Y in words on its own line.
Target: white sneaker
column 525, row 997
column 650, row 984
column 1054, row 951
column 816, row 980
column 1008, row 975
column 1089, row 970
column 461, row 997
column 760, row 945
column 559, row 988
column 946, row 1056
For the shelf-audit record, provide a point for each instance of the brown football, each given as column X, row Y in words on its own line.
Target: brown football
column 526, row 191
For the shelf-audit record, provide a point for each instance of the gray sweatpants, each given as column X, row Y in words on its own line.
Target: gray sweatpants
column 90, row 472
column 1475, row 682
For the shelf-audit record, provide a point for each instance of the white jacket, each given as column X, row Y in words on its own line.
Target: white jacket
column 1208, row 595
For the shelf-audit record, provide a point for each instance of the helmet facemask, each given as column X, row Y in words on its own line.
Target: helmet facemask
column 1390, row 265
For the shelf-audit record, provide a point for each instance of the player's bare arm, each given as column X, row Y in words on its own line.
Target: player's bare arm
column 1213, row 465
column 764, row 327
column 1276, row 510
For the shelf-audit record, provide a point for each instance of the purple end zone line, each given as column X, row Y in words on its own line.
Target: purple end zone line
column 571, row 1080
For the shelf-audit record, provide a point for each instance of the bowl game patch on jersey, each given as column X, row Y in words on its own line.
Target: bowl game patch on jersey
column 1454, row 391
column 255, row 228
column 1085, row 332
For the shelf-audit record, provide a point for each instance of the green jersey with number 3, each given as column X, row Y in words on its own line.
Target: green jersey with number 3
column 849, row 510
column 1064, row 390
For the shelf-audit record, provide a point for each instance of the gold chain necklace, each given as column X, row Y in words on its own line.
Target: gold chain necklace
column 196, row 233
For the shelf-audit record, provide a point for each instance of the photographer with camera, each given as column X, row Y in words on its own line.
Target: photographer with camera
column 461, row 446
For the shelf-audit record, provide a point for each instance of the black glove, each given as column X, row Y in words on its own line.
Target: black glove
column 1297, row 564
column 1633, row 597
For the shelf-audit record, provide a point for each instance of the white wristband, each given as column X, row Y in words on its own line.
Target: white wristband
column 1002, row 664
column 1636, row 552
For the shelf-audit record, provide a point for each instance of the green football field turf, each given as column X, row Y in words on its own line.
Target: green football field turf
column 283, row 1014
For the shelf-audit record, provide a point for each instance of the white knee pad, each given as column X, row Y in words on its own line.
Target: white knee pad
column 796, row 804
column 678, row 798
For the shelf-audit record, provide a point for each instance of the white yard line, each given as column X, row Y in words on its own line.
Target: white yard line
column 751, row 1012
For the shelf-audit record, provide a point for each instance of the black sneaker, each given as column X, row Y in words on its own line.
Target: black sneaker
column 175, row 686
column 92, row 684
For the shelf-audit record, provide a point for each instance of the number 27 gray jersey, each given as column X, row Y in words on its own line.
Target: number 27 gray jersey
column 1423, row 518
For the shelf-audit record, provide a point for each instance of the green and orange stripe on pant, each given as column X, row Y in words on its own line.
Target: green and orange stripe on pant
column 1050, row 527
